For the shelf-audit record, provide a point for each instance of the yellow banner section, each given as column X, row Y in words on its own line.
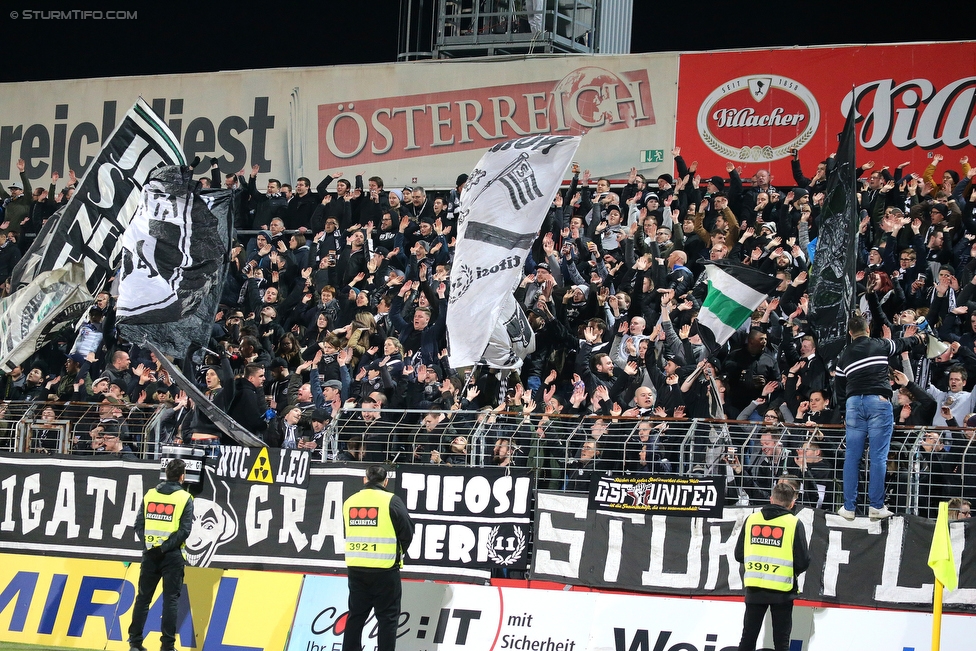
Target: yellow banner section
column 88, row 605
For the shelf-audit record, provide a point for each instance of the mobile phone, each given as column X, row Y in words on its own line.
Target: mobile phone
column 306, row 439
column 731, row 451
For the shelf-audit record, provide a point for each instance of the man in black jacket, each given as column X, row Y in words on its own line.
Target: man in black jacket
column 266, row 206
column 760, row 529
column 164, row 523
column 250, row 404
column 370, row 516
column 863, row 386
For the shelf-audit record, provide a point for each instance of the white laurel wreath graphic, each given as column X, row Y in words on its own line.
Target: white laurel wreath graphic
column 511, row 558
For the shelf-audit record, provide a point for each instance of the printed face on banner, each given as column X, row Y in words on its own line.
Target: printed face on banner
column 214, row 525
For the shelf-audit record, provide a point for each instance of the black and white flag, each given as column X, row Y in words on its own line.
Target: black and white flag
column 174, row 262
column 504, row 202
column 30, row 316
column 89, row 227
column 832, row 282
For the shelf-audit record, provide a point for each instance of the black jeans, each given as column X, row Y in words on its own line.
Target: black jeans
column 377, row 591
column 782, row 616
column 156, row 566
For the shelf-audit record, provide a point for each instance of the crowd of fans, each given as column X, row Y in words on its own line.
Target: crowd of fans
column 337, row 297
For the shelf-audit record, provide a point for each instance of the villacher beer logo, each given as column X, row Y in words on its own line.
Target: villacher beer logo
column 363, row 516
column 758, row 118
column 158, row 511
column 764, row 534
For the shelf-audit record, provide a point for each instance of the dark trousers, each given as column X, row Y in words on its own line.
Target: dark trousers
column 156, row 566
column 782, row 616
column 377, row 591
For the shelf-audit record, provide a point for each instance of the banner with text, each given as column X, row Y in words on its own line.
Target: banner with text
column 444, row 617
column 86, row 604
column 420, row 123
column 686, row 496
column 880, row 564
column 265, row 509
column 752, row 107
column 468, row 518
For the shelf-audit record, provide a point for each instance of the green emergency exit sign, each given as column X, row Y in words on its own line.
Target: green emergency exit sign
column 652, row 156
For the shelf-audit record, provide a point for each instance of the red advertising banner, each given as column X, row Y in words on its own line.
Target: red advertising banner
column 752, row 107
column 400, row 127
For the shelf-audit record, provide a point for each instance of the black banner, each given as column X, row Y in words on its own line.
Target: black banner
column 174, row 262
column 685, row 496
column 262, row 509
column 834, row 264
column 877, row 564
column 468, row 517
column 88, row 228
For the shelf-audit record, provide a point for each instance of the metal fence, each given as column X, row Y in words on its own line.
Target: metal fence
column 64, row 427
column 925, row 465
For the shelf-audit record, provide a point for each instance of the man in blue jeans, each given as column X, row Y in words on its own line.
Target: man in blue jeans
column 861, row 380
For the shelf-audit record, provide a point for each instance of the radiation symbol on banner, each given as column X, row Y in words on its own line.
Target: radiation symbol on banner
column 261, row 470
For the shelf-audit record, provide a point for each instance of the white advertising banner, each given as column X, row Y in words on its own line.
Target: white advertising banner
column 411, row 124
column 503, row 203
column 442, row 617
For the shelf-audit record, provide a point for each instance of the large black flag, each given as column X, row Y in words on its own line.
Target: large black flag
column 88, row 228
column 174, row 261
column 834, row 264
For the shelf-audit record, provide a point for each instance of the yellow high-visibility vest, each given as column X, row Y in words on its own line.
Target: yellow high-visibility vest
column 768, row 552
column 162, row 515
column 370, row 536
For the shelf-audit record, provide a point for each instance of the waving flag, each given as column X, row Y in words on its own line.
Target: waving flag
column 89, row 227
column 502, row 206
column 174, row 261
column 734, row 293
column 941, row 560
column 832, row 276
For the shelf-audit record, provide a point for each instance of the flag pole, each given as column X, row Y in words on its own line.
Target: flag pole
column 937, row 617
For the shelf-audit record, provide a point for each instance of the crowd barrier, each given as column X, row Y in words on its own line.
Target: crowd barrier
column 919, row 473
column 60, row 427
column 274, row 509
column 925, row 465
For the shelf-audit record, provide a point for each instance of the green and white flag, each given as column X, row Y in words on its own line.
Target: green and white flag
column 734, row 292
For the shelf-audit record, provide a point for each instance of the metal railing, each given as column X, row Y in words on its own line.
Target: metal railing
column 64, row 427
column 751, row 455
column 925, row 464
column 503, row 26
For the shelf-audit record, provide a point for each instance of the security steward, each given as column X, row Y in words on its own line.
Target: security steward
column 163, row 525
column 772, row 548
column 378, row 532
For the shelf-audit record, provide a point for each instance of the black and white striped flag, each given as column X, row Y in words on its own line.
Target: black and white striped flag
column 88, row 229
column 502, row 206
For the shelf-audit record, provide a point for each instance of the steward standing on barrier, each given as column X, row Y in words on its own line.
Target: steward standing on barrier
column 772, row 548
column 378, row 532
column 163, row 524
